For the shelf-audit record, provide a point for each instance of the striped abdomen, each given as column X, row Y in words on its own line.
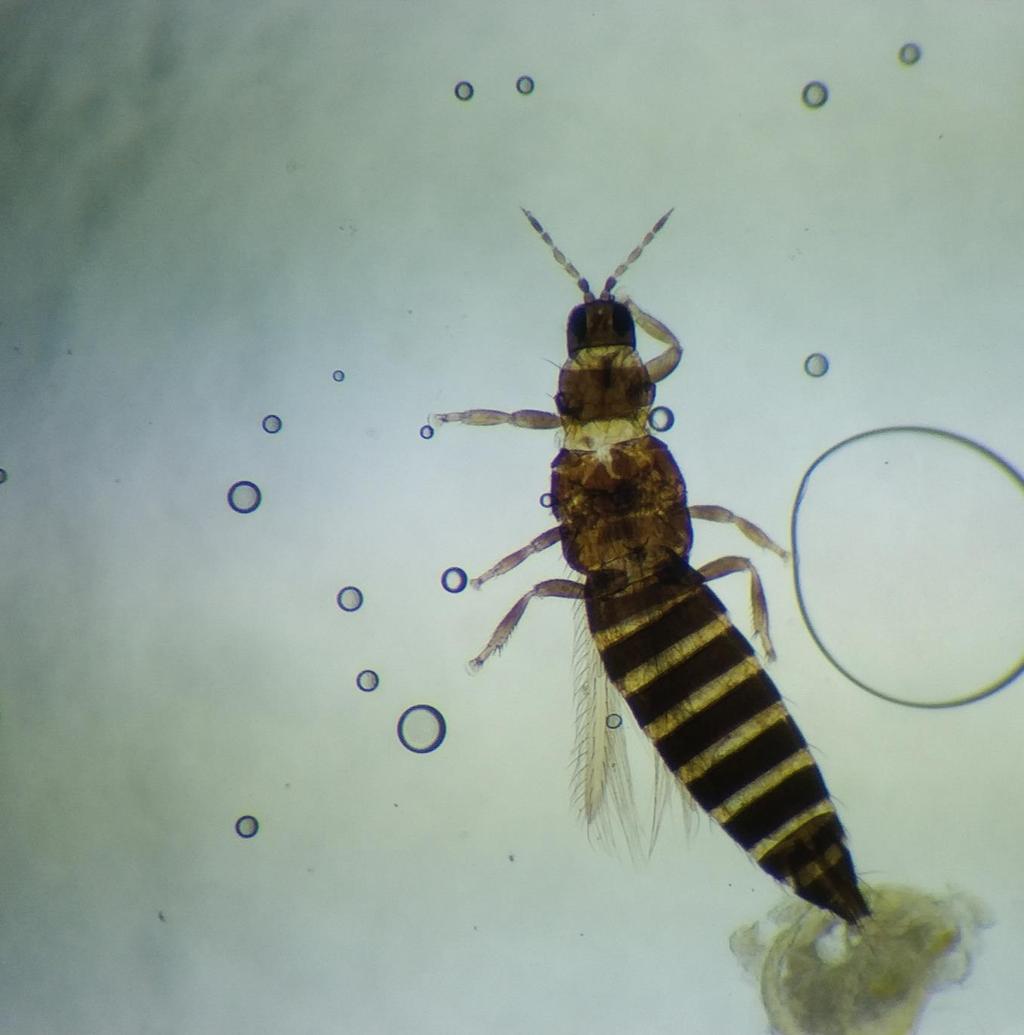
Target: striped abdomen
column 698, row 691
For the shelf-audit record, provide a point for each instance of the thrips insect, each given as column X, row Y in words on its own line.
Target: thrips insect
column 690, row 678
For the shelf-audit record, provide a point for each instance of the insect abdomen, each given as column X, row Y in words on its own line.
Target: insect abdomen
column 717, row 720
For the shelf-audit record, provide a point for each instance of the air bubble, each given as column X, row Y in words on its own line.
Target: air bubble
column 454, row 580
column 525, row 84
column 614, row 721
column 910, row 53
column 247, row 826
column 816, row 364
column 338, row 375
column 426, row 432
column 463, row 90
column 661, row 418
column 421, row 729
column 875, row 524
column 271, row 424
column 244, row 497
column 367, row 680
column 547, row 500
column 350, row 598
column 814, row 94
column 3, row 476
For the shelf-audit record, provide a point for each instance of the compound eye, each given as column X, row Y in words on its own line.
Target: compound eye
column 577, row 329
column 622, row 319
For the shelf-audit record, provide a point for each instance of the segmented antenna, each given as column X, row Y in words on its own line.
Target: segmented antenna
column 606, row 292
column 581, row 281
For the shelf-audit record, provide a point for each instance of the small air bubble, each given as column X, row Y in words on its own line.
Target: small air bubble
column 910, row 53
column 661, row 418
column 454, row 580
column 426, row 432
column 350, row 598
column 614, row 721
column 338, row 375
column 367, row 680
column 463, row 90
column 421, row 729
column 815, row 94
column 271, row 424
column 244, row 497
column 525, row 84
column 247, row 826
column 547, row 500
column 3, row 476
column 816, row 364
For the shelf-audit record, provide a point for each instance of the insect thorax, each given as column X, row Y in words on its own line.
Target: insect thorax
column 604, row 396
column 622, row 508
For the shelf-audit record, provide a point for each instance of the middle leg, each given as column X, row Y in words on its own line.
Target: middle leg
column 513, row 560
column 710, row 512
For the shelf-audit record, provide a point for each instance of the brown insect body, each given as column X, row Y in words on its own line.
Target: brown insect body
column 691, row 680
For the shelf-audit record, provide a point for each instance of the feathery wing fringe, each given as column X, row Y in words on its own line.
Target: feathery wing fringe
column 602, row 783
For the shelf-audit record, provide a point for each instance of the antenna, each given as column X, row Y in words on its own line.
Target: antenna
column 606, row 293
column 581, row 281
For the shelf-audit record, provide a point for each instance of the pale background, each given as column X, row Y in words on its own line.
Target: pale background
column 208, row 208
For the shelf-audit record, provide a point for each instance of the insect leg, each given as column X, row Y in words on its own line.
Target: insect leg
column 513, row 560
column 661, row 366
column 732, row 566
column 711, row 512
column 519, row 419
column 550, row 588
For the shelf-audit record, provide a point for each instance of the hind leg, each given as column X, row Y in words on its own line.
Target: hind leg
column 732, row 566
column 551, row 588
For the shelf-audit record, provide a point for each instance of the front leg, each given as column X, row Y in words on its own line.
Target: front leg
column 482, row 418
column 661, row 366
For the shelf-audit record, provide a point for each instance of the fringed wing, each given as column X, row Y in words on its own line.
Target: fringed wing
column 602, row 781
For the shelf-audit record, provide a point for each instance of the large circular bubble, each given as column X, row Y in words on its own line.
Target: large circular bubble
column 909, row 564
